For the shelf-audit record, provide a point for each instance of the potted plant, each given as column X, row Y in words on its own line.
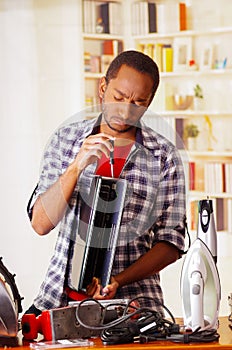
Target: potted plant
column 198, row 92
column 198, row 97
column 191, row 132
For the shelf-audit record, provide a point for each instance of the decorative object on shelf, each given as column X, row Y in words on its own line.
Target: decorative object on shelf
column 210, row 136
column 191, row 132
column 192, row 65
column 198, row 97
column 220, row 64
column 99, row 25
column 182, row 102
column 182, row 53
column 206, row 58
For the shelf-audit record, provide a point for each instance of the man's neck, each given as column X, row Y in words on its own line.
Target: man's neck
column 123, row 136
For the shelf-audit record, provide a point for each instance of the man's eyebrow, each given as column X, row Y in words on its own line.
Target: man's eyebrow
column 124, row 95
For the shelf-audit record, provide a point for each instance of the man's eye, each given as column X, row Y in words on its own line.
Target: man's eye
column 140, row 104
column 118, row 98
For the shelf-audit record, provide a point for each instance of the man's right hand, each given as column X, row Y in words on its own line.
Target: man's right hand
column 92, row 149
column 50, row 207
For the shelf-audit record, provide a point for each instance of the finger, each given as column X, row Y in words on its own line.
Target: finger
column 91, row 288
column 97, row 294
column 99, row 139
column 98, row 149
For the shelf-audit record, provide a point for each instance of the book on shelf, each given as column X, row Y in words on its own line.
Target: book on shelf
column 179, row 133
column 192, row 175
column 182, row 16
column 110, row 12
column 157, row 55
column 196, row 176
column 214, row 175
column 229, row 215
column 92, row 63
column 228, row 177
column 152, row 17
column 167, row 58
column 95, row 64
column 89, row 16
column 223, row 214
column 87, row 58
column 140, row 20
column 112, row 47
column 193, row 215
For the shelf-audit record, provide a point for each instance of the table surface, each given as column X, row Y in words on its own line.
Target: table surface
column 225, row 342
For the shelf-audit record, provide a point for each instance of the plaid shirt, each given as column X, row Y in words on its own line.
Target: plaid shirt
column 154, row 210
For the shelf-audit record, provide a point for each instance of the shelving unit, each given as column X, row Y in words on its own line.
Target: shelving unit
column 214, row 145
column 99, row 47
column 208, row 32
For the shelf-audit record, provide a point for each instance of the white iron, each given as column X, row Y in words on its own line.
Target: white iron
column 206, row 226
column 200, row 283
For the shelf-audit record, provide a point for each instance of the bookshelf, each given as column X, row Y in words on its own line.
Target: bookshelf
column 102, row 41
column 207, row 62
column 203, row 35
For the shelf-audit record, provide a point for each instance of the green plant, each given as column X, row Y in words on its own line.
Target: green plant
column 191, row 130
column 198, row 92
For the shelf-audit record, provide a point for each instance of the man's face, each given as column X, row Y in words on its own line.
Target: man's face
column 125, row 99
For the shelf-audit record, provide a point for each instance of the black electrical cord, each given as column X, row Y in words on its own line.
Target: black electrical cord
column 144, row 325
column 129, row 326
column 113, row 323
column 189, row 238
column 202, row 336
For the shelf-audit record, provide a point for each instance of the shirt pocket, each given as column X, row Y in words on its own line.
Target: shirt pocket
column 135, row 200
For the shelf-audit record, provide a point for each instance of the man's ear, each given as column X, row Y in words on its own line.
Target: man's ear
column 102, row 87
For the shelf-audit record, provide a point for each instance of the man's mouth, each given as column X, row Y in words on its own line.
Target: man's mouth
column 119, row 121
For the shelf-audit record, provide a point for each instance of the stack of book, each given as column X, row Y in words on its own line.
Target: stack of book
column 152, row 17
column 161, row 53
column 210, row 177
column 99, row 17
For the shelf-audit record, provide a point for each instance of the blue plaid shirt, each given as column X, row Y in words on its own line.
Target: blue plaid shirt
column 154, row 209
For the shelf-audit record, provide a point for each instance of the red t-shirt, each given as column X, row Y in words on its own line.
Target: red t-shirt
column 120, row 156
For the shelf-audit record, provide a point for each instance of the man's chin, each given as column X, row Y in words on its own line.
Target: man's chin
column 120, row 128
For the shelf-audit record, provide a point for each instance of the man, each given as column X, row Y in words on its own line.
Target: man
column 153, row 221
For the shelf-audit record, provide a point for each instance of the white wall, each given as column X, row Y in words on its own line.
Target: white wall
column 41, row 78
column 40, row 87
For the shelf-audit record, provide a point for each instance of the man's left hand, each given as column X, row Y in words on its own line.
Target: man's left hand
column 96, row 291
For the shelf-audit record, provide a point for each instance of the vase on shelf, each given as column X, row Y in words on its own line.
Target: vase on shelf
column 192, row 143
column 190, row 134
column 198, row 104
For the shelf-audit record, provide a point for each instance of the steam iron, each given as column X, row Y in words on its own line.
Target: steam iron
column 200, row 283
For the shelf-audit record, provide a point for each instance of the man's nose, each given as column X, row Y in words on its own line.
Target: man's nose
column 126, row 109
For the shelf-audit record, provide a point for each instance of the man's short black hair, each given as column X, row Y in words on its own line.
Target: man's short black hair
column 137, row 60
